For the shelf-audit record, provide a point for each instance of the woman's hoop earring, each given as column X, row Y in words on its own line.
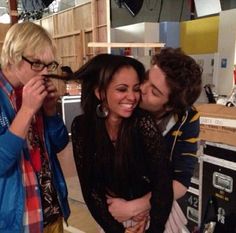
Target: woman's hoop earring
column 101, row 112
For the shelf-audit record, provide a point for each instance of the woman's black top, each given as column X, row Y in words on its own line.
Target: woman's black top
column 146, row 169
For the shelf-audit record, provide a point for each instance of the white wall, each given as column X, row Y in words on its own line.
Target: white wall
column 226, row 50
column 209, row 63
column 140, row 33
column 80, row 2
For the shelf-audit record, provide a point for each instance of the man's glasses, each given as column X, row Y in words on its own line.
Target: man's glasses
column 39, row 66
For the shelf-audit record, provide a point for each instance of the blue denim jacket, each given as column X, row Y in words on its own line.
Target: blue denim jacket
column 12, row 196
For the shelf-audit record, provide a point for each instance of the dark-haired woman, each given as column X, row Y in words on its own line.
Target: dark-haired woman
column 117, row 148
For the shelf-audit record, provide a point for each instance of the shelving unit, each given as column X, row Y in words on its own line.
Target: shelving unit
column 145, row 59
column 124, row 45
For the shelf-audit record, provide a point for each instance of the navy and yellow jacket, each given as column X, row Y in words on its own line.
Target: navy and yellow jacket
column 182, row 142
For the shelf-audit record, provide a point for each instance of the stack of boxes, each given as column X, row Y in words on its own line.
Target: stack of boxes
column 218, row 167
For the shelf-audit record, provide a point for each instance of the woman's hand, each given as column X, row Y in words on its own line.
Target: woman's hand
column 120, row 209
column 123, row 210
column 141, row 216
column 139, row 227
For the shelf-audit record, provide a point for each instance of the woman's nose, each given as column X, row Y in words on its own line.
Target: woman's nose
column 132, row 95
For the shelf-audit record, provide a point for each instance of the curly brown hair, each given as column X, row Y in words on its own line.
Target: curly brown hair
column 183, row 76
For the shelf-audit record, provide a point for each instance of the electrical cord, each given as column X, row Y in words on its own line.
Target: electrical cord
column 176, row 135
column 161, row 6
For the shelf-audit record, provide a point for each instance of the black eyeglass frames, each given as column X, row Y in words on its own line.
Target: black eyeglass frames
column 39, row 66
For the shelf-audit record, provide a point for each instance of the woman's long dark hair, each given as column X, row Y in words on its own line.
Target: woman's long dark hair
column 111, row 164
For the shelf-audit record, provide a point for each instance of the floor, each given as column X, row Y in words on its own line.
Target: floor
column 80, row 220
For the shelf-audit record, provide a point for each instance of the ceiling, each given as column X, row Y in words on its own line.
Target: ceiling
column 57, row 5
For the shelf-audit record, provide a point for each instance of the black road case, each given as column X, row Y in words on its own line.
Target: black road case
column 189, row 204
column 71, row 107
column 218, row 187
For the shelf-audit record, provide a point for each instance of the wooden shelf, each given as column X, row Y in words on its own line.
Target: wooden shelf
column 125, row 45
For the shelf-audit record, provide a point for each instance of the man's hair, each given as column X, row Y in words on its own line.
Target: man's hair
column 25, row 38
column 183, row 76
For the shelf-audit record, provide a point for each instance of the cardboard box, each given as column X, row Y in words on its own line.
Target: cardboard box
column 73, row 88
column 217, row 123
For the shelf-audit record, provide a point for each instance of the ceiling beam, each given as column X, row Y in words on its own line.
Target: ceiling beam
column 12, row 4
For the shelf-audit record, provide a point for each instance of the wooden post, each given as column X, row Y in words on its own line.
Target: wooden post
column 13, row 11
column 192, row 10
column 108, row 22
